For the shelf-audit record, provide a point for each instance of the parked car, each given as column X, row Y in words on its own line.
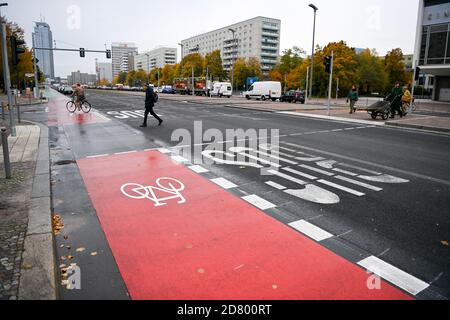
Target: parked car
column 264, row 90
column 293, row 96
column 67, row 90
column 222, row 89
column 167, row 90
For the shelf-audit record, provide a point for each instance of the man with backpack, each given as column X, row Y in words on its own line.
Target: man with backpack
column 150, row 100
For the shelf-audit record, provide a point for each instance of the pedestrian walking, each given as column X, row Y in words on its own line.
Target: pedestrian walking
column 149, row 105
column 353, row 97
column 396, row 100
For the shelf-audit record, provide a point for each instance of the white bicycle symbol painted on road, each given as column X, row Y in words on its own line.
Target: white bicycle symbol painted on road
column 171, row 187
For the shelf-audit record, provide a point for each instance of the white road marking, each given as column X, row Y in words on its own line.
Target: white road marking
column 385, row 178
column 306, row 159
column 224, row 183
column 242, row 151
column 275, row 185
column 179, row 159
column 394, row 275
column 258, row 202
column 361, row 184
column 342, row 188
column 329, row 174
column 98, row 156
column 307, row 176
column 345, row 172
column 198, row 169
column 315, row 194
column 287, row 177
column 126, row 152
column 164, row 150
column 311, row 230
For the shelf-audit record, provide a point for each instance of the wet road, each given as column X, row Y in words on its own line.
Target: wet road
column 359, row 190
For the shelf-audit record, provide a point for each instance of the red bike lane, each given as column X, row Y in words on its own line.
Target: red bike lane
column 204, row 243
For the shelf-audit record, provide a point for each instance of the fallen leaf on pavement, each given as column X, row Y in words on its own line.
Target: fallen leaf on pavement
column 81, row 249
column 445, row 243
column 94, row 254
column 27, row 266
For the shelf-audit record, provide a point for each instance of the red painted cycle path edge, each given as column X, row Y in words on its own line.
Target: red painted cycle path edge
column 215, row 246
column 58, row 114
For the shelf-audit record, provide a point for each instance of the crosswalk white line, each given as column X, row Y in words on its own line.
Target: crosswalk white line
column 345, row 172
column 198, row 169
column 299, row 173
column 329, row 174
column 358, row 183
column 224, row 183
column 126, row 152
column 311, row 230
column 258, row 202
column 342, row 188
column 394, row 275
column 275, row 185
column 287, row 177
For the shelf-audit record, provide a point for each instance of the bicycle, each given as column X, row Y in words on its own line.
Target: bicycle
column 84, row 106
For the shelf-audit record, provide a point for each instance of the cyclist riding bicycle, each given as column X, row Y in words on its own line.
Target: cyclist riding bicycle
column 78, row 94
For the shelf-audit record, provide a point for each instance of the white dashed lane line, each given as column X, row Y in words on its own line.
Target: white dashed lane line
column 258, row 202
column 198, row 169
column 394, row 275
column 311, row 230
column 224, row 183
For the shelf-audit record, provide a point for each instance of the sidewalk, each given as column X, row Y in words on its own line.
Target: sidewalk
column 22, row 101
column 27, row 268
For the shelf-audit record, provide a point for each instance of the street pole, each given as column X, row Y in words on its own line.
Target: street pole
column 232, row 57
column 330, row 87
column 337, row 90
column 307, row 83
column 158, row 78
column 148, row 68
column 7, row 80
column 412, row 86
column 36, row 75
column 313, row 45
column 193, row 82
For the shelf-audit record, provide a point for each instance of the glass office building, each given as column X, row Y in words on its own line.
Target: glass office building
column 432, row 51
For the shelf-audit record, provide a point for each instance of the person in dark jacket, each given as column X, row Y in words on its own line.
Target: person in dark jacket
column 396, row 100
column 353, row 98
column 149, row 105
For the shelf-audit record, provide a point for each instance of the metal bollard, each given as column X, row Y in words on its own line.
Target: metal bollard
column 6, row 153
column 3, row 111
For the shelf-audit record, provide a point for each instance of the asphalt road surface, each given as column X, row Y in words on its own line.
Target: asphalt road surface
column 373, row 195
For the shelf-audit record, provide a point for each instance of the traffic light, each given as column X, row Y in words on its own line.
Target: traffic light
column 327, row 63
column 108, row 54
column 417, row 74
column 17, row 49
column 82, row 52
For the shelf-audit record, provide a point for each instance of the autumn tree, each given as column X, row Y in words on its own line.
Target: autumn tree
column 26, row 59
column 395, row 68
column 244, row 69
column 194, row 60
column 213, row 61
column 372, row 76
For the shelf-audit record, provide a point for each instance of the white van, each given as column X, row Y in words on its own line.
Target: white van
column 264, row 90
column 222, row 89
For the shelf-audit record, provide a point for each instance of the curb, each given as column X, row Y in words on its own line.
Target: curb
column 418, row 126
column 38, row 276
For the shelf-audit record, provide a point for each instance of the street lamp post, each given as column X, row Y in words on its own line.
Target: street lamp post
column 181, row 61
column 233, row 31
column 148, row 68
column 312, row 54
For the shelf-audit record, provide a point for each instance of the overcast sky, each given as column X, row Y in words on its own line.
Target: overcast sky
column 379, row 24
